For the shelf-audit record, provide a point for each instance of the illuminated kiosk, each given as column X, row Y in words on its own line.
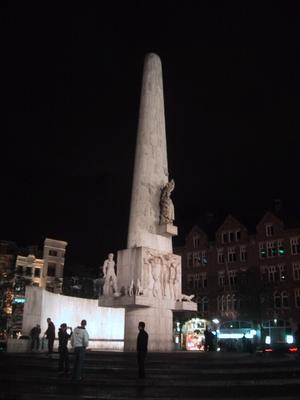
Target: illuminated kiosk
column 149, row 274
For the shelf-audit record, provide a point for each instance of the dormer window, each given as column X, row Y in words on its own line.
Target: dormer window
column 225, row 237
column 196, row 241
column 231, row 236
column 269, row 230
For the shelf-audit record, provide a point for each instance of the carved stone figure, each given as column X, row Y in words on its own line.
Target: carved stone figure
column 167, row 214
column 173, row 281
column 110, row 278
column 185, row 297
column 156, row 266
column 130, row 288
column 139, row 289
column 165, row 275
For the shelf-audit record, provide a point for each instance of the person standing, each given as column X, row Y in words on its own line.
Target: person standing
column 80, row 341
column 63, row 338
column 50, row 335
column 142, row 348
column 35, row 337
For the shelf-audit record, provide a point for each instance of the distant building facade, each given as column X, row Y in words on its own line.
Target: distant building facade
column 242, row 275
column 54, row 261
column 20, row 267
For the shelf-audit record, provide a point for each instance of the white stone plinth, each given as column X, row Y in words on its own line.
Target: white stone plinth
column 159, row 326
column 168, row 230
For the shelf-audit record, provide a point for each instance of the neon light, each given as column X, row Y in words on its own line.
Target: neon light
column 19, row 300
column 289, row 339
column 235, row 335
column 268, row 340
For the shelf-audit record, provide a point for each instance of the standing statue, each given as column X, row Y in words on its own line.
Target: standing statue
column 167, row 214
column 110, row 278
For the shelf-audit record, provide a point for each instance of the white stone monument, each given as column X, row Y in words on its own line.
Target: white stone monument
column 149, row 274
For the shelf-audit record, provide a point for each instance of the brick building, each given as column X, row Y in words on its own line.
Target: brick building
column 239, row 273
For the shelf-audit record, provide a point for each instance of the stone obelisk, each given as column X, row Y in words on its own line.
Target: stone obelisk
column 149, row 274
column 151, row 164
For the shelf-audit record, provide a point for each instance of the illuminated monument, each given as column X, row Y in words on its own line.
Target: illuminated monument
column 149, row 274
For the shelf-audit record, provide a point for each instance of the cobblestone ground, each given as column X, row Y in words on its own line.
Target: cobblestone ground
column 179, row 375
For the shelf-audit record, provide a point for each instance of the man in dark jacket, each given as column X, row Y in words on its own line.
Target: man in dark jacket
column 35, row 337
column 50, row 335
column 63, row 338
column 142, row 348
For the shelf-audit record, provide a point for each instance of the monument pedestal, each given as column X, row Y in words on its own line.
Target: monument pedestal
column 159, row 325
column 149, row 288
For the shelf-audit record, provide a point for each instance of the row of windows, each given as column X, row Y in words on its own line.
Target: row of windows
column 197, row 281
column 282, row 299
column 36, row 272
column 270, row 273
column 197, row 258
column 231, row 255
column 28, row 271
column 267, row 249
column 229, row 302
column 278, row 273
column 231, row 236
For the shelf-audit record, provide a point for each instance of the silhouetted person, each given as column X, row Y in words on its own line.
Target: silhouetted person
column 63, row 338
column 206, row 339
column 35, row 337
column 80, row 341
column 244, row 343
column 50, row 335
column 142, row 348
column 211, row 339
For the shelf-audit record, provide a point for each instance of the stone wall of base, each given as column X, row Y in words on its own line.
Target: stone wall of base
column 24, row 346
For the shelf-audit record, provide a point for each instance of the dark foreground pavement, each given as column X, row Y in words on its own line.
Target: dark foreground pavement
column 178, row 375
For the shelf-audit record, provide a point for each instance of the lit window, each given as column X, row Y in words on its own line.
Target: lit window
column 271, row 249
column 262, row 250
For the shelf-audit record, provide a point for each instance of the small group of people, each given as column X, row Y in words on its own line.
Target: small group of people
column 79, row 339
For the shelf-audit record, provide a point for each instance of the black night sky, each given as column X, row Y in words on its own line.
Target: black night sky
column 70, row 87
